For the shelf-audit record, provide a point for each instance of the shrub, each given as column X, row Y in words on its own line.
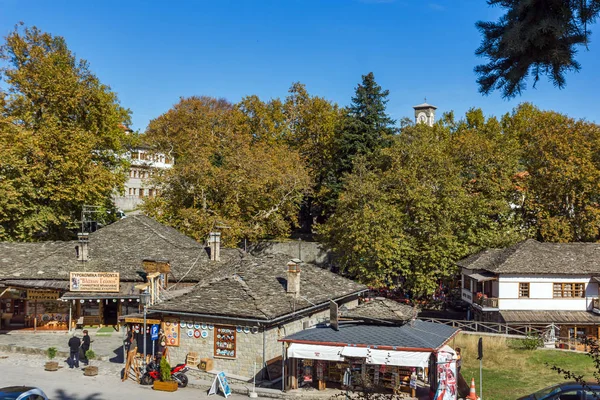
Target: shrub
column 51, row 352
column 165, row 370
column 531, row 342
column 90, row 355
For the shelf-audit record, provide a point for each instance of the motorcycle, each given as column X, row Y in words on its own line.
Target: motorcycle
column 177, row 374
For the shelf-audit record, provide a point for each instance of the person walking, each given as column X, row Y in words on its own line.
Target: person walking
column 74, row 344
column 85, row 346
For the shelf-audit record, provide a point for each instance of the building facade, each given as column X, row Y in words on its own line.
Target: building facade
column 533, row 283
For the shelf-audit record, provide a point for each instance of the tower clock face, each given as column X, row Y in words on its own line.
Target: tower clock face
column 422, row 117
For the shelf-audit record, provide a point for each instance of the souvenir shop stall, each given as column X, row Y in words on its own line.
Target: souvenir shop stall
column 386, row 358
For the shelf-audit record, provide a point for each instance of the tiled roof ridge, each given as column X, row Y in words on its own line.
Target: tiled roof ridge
column 163, row 237
column 512, row 251
column 249, row 292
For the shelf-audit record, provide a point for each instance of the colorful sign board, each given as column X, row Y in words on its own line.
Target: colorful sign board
column 171, row 329
column 225, row 341
column 94, row 282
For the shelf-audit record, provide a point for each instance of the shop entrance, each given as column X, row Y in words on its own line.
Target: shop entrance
column 111, row 313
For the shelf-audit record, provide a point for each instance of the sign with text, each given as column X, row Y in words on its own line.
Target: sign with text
column 94, row 282
column 42, row 294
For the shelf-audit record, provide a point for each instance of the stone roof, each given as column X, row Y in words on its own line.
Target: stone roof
column 420, row 335
column 380, row 309
column 533, row 257
column 119, row 247
column 550, row 316
column 255, row 287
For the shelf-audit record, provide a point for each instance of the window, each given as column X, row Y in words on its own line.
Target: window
column 141, row 192
column 130, row 191
column 150, row 192
column 569, row 290
column 524, row 289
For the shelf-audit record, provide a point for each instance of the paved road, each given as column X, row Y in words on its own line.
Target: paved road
column 71, row 384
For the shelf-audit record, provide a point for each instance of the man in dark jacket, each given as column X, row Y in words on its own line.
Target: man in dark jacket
column 85, row 346
column 74, row 344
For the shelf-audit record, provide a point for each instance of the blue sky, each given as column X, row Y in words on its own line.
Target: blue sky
column 153, row 52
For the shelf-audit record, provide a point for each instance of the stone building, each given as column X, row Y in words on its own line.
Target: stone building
column 253, row 303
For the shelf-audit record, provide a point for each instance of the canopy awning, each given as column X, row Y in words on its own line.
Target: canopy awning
column 399, row 358
column 315, row 352
column 483, row 276
column 373, row 356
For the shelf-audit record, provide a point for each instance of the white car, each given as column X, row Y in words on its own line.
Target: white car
column 22, row 393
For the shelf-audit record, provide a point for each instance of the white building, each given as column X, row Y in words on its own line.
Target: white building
column 144, row 164
column 533, row 283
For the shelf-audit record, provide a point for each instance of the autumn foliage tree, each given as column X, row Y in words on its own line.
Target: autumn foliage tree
column 560, row 158
column 434, row 196
column 60, row 138
column 225, row 175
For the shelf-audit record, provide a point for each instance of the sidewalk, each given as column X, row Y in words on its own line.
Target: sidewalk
column 108, row 348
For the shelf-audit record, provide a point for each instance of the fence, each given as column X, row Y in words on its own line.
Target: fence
column 495, row 327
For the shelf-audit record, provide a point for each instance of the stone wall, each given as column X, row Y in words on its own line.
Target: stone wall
column 249, row 346
column 309, row 252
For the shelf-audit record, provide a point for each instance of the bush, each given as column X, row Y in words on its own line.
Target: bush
column 531, row 342
column 165, row 370
column 51, row 352
column 90, row 355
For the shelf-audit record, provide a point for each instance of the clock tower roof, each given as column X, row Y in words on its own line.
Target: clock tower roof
column 424, row 106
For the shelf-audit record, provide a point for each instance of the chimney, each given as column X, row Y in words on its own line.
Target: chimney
column 82, row 248
column 214, row 243
column 293, row 277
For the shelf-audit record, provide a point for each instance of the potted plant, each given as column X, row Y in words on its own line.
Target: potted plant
column 51, row 365
column 90, row 370
column 166, row 383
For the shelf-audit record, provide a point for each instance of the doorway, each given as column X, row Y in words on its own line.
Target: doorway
column 111, row 313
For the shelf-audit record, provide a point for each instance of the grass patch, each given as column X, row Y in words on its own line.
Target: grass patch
column 106, row 329
column 509, row 371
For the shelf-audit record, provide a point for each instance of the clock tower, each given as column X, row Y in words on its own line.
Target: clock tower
column 425, row 113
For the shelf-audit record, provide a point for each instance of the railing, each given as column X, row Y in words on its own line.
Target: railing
column 487, row 302
column 493, row 327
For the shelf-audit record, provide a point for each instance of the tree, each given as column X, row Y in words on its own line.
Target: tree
column 364, row 131
column 224, row 175
column 60, row 138
column 533, row 37
column 436, row 195
column 561, row 180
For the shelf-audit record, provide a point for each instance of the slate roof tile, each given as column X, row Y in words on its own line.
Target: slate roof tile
column 426, row 335
column 533, row 257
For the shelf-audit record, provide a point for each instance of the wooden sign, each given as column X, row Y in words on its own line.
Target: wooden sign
column 225, row 342
column 33, row 294
column 94, row 282
column 151, row 266
column 171, row 330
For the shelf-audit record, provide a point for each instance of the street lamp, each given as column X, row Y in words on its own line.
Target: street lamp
column 145, row 299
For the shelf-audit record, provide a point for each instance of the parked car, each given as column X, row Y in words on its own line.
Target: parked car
column 22, row 393
column 566, row 391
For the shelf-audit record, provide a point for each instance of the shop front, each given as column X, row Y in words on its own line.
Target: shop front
column 99, row 298
column 359, row 357
column 354, row 367
column 33, row 305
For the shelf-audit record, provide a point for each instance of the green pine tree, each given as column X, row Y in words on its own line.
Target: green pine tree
column 365, row 130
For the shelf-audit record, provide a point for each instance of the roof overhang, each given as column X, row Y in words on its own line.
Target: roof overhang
column 483, row 276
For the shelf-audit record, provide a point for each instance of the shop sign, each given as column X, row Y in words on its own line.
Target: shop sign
column 225, row 341
column 170, row 327
column 151, row 266
column 33, row 294
column 94, row 282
